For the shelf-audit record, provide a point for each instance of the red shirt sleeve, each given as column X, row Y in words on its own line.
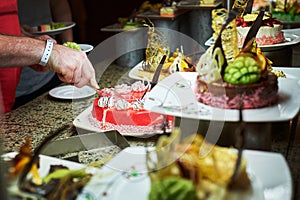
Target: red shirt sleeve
column 9, row 77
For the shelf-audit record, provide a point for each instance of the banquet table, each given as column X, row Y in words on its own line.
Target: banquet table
column 46, row 114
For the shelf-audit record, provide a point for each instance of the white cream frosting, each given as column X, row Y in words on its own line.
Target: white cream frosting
column 263, row 31
column 113, row 97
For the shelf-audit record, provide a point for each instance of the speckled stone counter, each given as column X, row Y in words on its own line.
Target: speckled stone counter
column 44, row 115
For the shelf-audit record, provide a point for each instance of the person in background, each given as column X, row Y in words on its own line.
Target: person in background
column 72, row 66
column 33, row 13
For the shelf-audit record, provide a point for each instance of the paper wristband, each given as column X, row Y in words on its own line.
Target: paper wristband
column 47, row 53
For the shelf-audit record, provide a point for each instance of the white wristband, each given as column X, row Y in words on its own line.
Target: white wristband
column 47, row 53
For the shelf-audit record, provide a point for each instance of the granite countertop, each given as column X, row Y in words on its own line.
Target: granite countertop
column 45, row 114
column 40, row 117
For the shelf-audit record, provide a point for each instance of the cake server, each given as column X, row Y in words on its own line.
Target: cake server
column 156, row 74
column 85, row 142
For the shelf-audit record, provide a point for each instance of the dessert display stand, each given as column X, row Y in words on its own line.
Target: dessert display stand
column 167, row 22
column 198, row 20
column 258, row 135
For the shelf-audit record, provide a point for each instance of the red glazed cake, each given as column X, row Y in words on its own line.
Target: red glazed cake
column 123, row 106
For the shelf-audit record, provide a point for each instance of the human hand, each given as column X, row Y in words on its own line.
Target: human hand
column 72, row 66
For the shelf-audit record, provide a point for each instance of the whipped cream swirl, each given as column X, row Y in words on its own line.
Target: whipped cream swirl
column 104, row 102
column 122, row 104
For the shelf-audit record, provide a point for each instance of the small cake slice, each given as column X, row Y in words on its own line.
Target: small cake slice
column 269, row 33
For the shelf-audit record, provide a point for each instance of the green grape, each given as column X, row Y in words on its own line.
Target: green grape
column 242, row 70
column 72, row 45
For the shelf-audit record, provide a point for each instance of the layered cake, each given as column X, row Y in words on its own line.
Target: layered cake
column 269, row 33
column 123, row 106
column 245, row 81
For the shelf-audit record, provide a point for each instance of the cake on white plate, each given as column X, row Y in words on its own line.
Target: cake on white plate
column 269, row 33
column 122, row 108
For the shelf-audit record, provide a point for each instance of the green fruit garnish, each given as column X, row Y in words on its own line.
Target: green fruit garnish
column 171, row 188
column 242, row 70
column 72, row 45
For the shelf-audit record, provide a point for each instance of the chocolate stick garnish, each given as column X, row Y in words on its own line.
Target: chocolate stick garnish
column 254, row 28
column 248, row 9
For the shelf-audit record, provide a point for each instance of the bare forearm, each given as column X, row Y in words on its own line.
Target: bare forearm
column 20, row 51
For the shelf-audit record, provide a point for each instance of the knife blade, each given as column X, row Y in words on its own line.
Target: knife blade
column 85, row 142
column 157, row 72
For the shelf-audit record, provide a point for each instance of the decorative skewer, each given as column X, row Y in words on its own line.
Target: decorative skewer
column 240, row 133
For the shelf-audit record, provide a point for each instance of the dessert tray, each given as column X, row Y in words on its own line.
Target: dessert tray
column 291, row 39
column 67, row 26
column 175, row 96
column 120, row 179
column 71, row 92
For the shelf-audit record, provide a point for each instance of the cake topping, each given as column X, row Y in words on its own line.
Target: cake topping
column 105, row 102
column 209, row 68
column 246, row 67
column 123, row 96
column 137, row 105
column 121, row 104
column 139, row 86
column 247, row 20
column 243, row 70
column 123, row 89
column 251, row 17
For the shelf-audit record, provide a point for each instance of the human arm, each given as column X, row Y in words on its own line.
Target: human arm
column 72, row 66
column 61, row 12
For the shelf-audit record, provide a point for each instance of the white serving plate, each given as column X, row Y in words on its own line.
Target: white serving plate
column 174, row 96
column 291, row 39
column 86, row 47
column 71, row 92
column 125, row 176
column 134, row 73
column 86, row 121
column 68, row 25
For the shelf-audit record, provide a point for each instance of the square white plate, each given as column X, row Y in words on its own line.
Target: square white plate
column 270, row 170
column 175, row 96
